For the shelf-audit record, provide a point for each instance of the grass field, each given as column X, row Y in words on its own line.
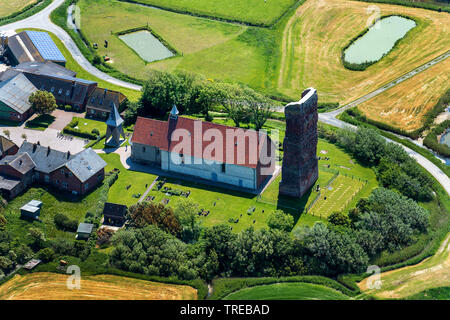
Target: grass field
column 442, row 293
column 251, row 11
column 207, row 46
column 8, row 7
column 405, row 105
column 432, row 272
column 287, row 291
column 71, row 64
column 52, row 286
column 53, row 203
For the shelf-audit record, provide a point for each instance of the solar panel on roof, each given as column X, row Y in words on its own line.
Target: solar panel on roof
column 45, row 45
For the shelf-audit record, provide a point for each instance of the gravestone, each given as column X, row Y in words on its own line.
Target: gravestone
column 300, row 165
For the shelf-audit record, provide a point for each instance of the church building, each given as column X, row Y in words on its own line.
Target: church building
column 234, row 156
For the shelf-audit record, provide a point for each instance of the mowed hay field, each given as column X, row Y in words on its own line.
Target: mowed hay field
column 287, row 291
column 252, row 11
column 405, row 105
column 432, row 272
column 8, row 7
column 52, row 286
column 315, row 36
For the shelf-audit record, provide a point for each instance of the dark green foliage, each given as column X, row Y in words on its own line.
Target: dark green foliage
column 46, row 255
column 65, row 223
column 432, row 142
column 12, row 253
column 339, row 219
column 280, row 220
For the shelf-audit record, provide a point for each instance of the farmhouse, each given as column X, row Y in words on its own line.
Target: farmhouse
column 100, row 101
column 78, row 173
column 7, row 147
column 14, row 94
column 238, row 157
column 33, row 46
column 16, row 174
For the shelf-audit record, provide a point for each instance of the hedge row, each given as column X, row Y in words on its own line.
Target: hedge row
column 225, row 286
column 210, row 17
column 431, row 140
column 79, row 133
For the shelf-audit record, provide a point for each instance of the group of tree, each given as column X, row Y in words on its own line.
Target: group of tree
column 394, row 167
column 193, row 94
column 12, row 252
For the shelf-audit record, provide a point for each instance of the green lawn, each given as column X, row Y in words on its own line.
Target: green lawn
column 442, row 293
column 118, row 193
column 40, row 123
column 251, row 11
column 87, row 125
column 71, row 64
column 287, row 291
column 53, row 203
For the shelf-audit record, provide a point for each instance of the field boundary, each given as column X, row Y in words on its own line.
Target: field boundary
column 420, row 5
column 210, row 17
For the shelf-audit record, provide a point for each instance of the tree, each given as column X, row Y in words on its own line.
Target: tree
column 37, row 238
column 145, row 213
column 46, row 255
column 24, row 136
column 339, row 219
column 3, row 221
column 186, row 211
column 43, row 102
column 281, row 221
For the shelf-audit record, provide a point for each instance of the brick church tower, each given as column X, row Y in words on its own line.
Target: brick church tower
column 300, row 166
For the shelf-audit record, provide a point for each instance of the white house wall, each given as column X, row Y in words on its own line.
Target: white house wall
column 234, row 175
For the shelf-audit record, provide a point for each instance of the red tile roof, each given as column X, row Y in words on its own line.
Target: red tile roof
column 157, row 133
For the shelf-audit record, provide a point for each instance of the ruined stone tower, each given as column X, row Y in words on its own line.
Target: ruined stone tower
column 300, row 166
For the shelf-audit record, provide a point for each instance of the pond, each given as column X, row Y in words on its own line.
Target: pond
column 378, row 40
column 146, row 45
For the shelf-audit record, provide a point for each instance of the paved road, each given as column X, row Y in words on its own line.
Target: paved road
column 42, row 20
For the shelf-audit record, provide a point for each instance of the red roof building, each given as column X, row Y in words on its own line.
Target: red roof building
column 236, row 156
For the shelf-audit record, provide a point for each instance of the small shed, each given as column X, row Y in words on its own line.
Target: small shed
column 114, row 214
column 84, row 231
column 30, row 265
column 35, row 203
column 30, row 212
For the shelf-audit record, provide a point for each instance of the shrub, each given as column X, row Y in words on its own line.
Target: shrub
column 46, row 255
column 65, row 223
column 95, row 131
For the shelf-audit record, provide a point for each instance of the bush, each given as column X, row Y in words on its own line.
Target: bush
column 68, row 107
column 46, row 255
column 95, row 131
column 65, row 223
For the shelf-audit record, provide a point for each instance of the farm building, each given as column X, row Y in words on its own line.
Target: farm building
column 84, row 231
column 16, row 174
column 100, row 101
column 30, row 265
column 31, row 210
column 239, row 163
column 7, row 147
column 114, row 214
column 33, row 46
column 14, row 94
column 76, row 173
